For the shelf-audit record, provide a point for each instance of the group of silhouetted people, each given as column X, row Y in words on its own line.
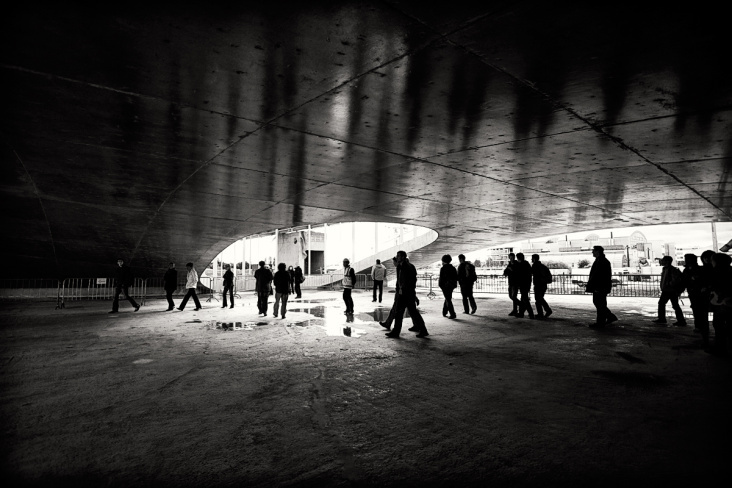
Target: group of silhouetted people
column 520, row 276
column 709, row 288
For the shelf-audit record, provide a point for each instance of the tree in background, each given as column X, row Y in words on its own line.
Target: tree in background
column 583, row 263
column 556, row 265
column 477, row 263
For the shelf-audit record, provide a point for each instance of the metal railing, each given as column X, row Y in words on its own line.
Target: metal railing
column 73, row 289
column 622, row 285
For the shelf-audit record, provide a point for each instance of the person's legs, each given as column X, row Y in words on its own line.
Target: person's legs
column 700, row 308
column 464, row 294
column 525, row 304
column 223, row 294
column 126, row 291
column 263, row 298
column 185, row 298
column 276, row 304
column 375, row 286
column 662, row 301
column 297, row 290
column 471, row 300
column 539, row 292
column 195, row 298
column 284, row 305
column 416, row 317
column 346, row 295
column 115, row 302
column 399, row 308
column 680, row 320
column 513, row 295
column 600, row 301
column 349, row 300
column 381, row 289
column 448, row 307
column 169, row 297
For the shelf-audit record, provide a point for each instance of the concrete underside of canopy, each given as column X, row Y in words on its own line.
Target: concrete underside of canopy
column 166, row 133
column 165, row 399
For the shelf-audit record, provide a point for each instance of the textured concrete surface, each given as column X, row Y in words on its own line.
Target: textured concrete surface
column 158, row 132
column 157, row 398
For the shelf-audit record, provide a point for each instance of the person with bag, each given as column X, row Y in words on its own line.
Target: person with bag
column 406, row 288
column 466, row 277
column 672, row 285
column 542, row 278
column 447, row 283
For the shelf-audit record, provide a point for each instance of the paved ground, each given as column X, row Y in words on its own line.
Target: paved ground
column 167, row 399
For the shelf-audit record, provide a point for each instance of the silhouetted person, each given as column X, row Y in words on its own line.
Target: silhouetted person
column 600, row 285
column 349, row 281
column 390, row 318
column 299, row 278
column 406, row 290
column 378, row 275
column 466, row 277
column 191, row 284
column 697, row 288
column 291, row 272
column 542, row 277
column 228, row 286
column 721, row 302
column 170, row 284
column 263, row 279
column 123, row 281
column 282, row 289
column 671, row 284
column 523, row 276
column 447, row 283
column 513, row 289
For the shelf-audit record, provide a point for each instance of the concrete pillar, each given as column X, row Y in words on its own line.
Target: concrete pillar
column 310, row 253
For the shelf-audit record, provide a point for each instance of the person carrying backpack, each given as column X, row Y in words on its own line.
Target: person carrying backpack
column 672, row 285
column 467, row 278
column 542, row 278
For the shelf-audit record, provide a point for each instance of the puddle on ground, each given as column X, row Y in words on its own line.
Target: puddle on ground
column 197, row 321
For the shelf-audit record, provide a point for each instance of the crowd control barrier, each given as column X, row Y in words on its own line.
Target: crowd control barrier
column 210, row 288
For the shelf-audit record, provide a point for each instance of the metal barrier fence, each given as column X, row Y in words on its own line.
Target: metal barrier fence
column 623, row 285
column 97, row 289
column 72, row 289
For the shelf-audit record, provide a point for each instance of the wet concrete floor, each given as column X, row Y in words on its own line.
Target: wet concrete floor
column 223, row 397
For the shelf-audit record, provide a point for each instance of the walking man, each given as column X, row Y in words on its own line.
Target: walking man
column 542, row 278
column 191, row 284
column 523, row 275
column 466, row 277
column 263, row 279
column 448, row 282
column 170, row 281
column 291, row 272
column 510, row 273
column 228, row 286
column 378, row 275
column 406, row 291
column 123, row 280
column 282, row 289
column 600, row 284
column 349, row 279
column 671, row 284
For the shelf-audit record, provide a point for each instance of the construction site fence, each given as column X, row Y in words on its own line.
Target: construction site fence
column 73, row 289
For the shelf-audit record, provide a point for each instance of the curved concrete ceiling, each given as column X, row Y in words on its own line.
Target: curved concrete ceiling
column 166, row 133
